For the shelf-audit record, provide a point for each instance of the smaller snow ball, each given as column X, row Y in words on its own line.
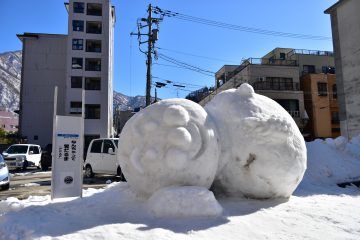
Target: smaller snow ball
column 184, row 202
column 246, row 90
column 176, row 115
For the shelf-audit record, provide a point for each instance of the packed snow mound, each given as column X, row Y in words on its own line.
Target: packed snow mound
column 170, row 143
column 185, row 201
column 263, row 154
column 332, row 161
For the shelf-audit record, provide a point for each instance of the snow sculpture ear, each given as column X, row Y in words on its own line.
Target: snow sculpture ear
column 263, row 154
column 170, row 143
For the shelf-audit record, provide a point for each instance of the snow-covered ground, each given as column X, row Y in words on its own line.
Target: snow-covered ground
column 317, row 210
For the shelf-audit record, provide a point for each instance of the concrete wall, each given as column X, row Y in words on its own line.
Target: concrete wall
column 345, row 21
column 43, row 68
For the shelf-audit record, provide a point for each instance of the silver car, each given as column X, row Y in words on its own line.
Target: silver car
column 4, row 175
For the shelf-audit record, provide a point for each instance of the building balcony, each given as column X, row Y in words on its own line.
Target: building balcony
column 277, row 86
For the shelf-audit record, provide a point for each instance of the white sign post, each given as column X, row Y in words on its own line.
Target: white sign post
column 67, row 157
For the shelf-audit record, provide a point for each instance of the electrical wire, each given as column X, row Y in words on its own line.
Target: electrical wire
column 185, row 65
column 199, row 56
column 218, row 24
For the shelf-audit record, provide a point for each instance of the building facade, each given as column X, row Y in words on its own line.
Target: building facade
column 89, row 66
column 320, row 97
column 276, row 79
column 345, row 23
column 81, row 60
column 43, row 68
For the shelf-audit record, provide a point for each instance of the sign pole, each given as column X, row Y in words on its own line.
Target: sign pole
column 53, row 142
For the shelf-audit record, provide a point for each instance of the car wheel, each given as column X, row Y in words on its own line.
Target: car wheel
column 44, row 167
column 120, row 174
column 89, row 172
column 25, row 165
column 6, row 186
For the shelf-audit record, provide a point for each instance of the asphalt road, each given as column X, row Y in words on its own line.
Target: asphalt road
column 34, row 182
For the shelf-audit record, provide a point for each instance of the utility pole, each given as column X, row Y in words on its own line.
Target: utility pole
column 149, row 58
column 152, row 37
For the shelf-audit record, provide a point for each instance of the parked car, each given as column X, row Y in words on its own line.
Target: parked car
column 101, row 158
column 4, row 175
column 46, row 158
column 22, row 156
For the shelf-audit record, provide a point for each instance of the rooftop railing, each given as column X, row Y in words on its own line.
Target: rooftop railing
column 311, row 52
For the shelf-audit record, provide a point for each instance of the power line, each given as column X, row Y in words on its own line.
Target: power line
column 218, row 24
column 186, row 65
column 194, row 55
column 170, row 81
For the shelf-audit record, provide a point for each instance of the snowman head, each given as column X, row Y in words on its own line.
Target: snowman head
column 170, row 143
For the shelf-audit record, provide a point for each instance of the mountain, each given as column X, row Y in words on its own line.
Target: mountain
column 10, row 75
column 10, row 78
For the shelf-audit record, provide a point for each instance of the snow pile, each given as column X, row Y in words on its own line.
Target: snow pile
column 332, row 161
column 184, row 202
column 263, row 154
column 170, row 143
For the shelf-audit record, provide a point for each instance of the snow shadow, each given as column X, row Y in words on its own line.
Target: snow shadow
column 115, row 205
column 306, row 190
column 243, row 206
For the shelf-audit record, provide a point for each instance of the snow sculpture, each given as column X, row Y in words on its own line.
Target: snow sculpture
column 169, row 143
column 263, row 154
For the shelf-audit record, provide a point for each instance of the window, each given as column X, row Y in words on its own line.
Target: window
column 75, row 107
column 334, row 91
column 107, row 145
column 328, row 70
column 78, row 25
column 76, row 82
column 92, row 83
column 322, row 89
column 96, row 146
column 309, row 69
column 290, row 105
column 79, row 7
column 282, row 56
column 93, row 27
column 92, row 111
column 77, row 63
column 34, row 149
column 77, row 44
column 335, row 118
column 93, row 46
column 92, row 64
column 94, row 9
column 87, row 140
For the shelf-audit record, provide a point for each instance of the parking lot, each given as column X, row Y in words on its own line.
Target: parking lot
column 34, row 182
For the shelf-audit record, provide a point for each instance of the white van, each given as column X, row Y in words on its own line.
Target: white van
column 101, row 158
column 22, row 156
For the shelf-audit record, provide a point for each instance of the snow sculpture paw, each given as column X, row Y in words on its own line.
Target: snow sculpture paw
column 170, row 143
column 263, row 154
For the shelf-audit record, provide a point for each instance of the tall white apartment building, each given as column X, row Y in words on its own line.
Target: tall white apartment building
column 90, row 47
column 83, row 59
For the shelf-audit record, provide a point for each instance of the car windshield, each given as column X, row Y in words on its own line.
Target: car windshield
column 116, row 142
column 15, row 149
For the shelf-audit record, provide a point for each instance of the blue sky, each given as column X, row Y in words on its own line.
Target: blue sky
column 203, row 46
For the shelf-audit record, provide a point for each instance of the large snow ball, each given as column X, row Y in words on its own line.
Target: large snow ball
column 263, row 154
column 169, row 143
